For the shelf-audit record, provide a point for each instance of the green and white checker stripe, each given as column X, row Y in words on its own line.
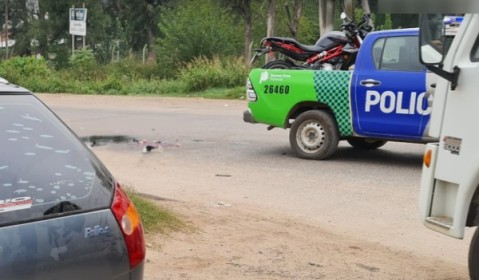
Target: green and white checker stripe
column 332, row 88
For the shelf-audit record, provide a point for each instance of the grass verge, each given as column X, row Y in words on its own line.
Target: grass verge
column 154, row 218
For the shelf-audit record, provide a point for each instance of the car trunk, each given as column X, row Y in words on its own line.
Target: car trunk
column 82, row 246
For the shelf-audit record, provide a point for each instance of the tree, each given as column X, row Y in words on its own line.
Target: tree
column 51, row 28
column 213, row 33
column 366, row 7
column 349, row 8
column 271, row 22
column 140, row 21
column 326, row 16
column 21, row 16
column 243, row 8
column 293, row 20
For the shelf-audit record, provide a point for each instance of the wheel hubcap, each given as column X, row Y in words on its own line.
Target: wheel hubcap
column 311, row 136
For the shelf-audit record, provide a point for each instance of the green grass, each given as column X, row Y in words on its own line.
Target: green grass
column 154, row 218
column 218, row 78
column 222, row 93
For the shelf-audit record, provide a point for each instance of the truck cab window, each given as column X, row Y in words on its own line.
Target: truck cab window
column 401, row 54
column 377, row 52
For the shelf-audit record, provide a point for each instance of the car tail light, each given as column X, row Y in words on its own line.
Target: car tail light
column 129, row 220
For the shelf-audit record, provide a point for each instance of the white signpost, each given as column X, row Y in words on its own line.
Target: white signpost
column 77, row 24
column 78, row 21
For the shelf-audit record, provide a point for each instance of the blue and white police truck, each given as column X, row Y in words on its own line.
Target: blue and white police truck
column 384, row 98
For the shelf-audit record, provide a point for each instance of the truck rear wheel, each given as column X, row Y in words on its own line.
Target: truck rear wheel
column 366, row 143
column 278, row 64
column 314, row 135
column 474, row 256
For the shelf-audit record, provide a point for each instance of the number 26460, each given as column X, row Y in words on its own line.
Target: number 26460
column 278, row 89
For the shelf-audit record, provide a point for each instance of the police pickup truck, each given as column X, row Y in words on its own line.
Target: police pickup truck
column 384, row 98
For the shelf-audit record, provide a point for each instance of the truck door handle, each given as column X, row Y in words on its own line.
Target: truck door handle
column 370, row 83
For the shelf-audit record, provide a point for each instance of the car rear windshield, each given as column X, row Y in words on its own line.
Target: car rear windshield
column 44, row 169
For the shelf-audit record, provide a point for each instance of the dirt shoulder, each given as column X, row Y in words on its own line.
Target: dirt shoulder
column 243, row 242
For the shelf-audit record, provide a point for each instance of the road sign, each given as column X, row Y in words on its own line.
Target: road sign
column 78, row 21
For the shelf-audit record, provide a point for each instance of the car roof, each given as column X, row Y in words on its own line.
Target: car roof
column 8, row 88
column 400, row 31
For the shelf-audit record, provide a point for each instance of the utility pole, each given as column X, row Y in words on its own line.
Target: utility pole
column 6, row 28
column 73, row 36
column 84, row 36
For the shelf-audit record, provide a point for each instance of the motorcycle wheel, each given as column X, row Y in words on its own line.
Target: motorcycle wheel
column 279, row 64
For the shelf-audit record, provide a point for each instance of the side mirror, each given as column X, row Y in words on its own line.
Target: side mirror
column 343, row 16
column 436, row 33
column 435, row 36
column 431, row 39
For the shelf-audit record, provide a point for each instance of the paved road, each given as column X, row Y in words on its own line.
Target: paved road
column 368, row 194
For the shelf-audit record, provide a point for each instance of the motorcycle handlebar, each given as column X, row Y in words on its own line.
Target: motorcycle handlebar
column 365, row 20
column 353, row 29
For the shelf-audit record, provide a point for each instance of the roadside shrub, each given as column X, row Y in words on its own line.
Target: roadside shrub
column 38, row 84
column 160, row 87
column 111, row 85
column 58, row 56
column 83, row 62
column 203, row 73
column 132, row 69
column 18, row 69
column 221, row 77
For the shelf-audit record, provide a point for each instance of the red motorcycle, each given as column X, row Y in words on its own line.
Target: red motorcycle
column 333, row 51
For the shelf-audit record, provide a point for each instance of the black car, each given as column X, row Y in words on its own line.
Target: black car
column 62, row 214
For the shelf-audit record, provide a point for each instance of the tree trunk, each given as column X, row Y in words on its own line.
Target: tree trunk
column 293, row 21
column 326, row 16
column 248, row 30
column 271, row 22
column 150, row 43
column 349, row 8
column 366, row 7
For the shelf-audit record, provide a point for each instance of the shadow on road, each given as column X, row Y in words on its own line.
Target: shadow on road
column 380, row 157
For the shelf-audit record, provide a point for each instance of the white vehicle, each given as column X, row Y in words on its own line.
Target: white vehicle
column 449, row 196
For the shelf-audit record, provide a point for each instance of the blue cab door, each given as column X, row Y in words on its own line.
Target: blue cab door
column 389, row 88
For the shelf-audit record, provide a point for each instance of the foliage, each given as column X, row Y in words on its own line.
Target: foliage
column 153, row 218
column 83, row 62
column 59, row 56
column 309, row 33
column 213, row 33
column 127, row 77
column 139, row 20
column 308, row 25
column 129, row 68
column 387, row 23
column 203, row 73
column 18, row 68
